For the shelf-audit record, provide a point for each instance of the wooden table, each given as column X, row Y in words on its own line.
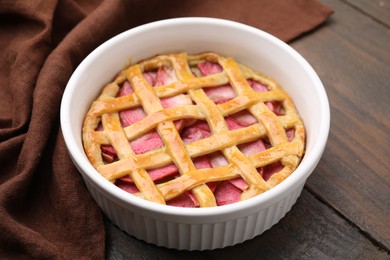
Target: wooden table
column 344, row 209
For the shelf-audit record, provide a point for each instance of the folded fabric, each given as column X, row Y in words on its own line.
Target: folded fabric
column 45, row 208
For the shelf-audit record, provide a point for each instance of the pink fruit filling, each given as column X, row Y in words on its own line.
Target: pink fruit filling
column 226, row 192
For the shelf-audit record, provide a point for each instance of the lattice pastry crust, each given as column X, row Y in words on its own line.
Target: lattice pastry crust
column 268, row 126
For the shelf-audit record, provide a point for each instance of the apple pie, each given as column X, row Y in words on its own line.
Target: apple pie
column 193, row 131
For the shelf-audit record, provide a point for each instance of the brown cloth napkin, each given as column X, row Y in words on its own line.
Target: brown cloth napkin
column 45, row 210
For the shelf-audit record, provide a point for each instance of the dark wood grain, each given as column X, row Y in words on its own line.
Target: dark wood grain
column 378, row 9
column 344, row 210
column 309, row 231
column 353, row 175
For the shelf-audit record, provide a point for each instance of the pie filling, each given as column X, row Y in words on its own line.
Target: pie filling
column 193, row 131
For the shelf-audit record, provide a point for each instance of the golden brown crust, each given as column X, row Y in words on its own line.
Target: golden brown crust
column 105, row 110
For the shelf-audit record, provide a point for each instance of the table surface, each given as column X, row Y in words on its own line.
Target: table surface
column 344, row 209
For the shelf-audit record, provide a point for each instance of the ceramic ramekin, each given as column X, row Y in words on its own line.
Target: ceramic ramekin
column 199, row 228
